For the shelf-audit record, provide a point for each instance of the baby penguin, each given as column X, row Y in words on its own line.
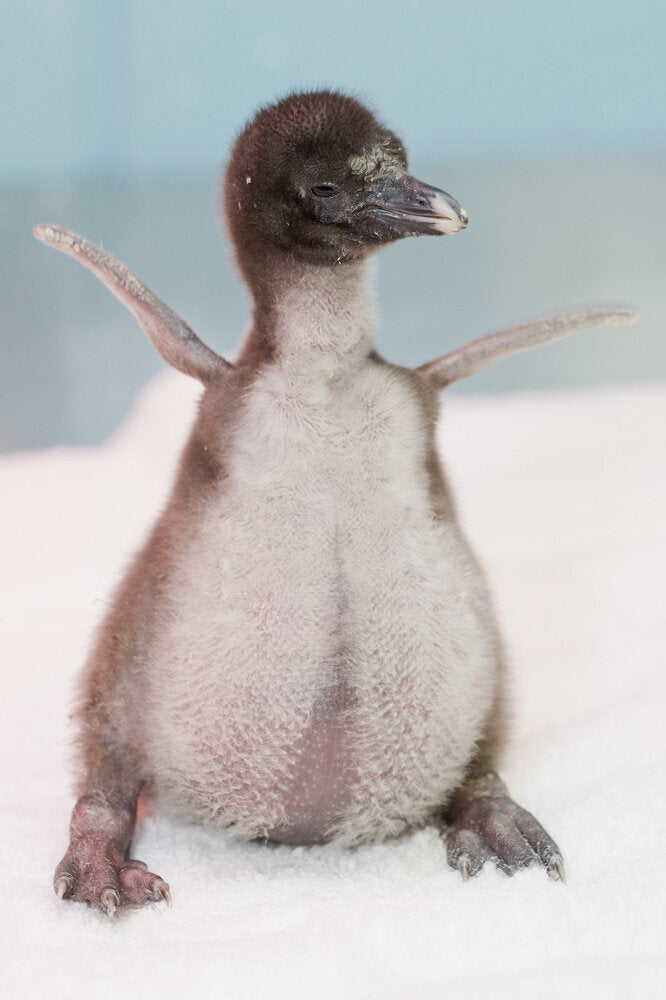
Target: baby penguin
column 304, row 650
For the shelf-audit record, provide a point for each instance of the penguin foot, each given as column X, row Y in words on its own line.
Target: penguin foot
column 484, row 822
column 95, row 878
column 96, row 868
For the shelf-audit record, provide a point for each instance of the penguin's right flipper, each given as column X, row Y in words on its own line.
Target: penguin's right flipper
column 173, row 338
column 485, row 351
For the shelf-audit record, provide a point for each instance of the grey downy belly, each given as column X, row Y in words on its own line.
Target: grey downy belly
column 317, row 793
column 325, row 680
column 347, row 716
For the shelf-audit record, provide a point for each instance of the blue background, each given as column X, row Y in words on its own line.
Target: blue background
column 547, row 121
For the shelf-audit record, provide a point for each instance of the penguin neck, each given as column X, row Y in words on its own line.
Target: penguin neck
column 319, row 319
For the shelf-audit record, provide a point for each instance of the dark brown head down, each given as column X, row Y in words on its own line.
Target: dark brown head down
column 291, row 182
column 317, row 177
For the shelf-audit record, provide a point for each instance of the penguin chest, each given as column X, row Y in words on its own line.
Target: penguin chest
column 325, row 657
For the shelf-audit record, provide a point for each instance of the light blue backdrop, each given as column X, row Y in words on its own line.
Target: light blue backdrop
column 547, row 120
column 124, row 86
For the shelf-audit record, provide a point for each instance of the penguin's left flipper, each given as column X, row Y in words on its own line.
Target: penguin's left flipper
column 484, row 822
column 483, row 353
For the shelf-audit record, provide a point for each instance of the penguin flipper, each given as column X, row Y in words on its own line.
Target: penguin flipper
column 485, row 351
column 171, row 336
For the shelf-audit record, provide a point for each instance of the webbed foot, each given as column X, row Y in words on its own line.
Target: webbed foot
column 96, row 870
column 108, row 883
column 484, row 822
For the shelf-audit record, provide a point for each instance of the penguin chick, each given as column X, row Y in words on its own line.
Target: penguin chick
column 305, row 649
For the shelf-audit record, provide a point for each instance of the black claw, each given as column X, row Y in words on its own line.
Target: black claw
column 465, row 866
column 63, row 885
column 109, row 901
column 159, row 889
column 555, row 869
column 465, row 851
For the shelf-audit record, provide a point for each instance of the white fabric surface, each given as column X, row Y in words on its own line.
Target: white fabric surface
column 564, row 497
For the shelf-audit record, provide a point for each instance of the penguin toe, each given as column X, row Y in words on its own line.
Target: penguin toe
column 465, row 851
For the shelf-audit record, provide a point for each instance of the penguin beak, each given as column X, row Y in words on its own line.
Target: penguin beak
column 415, row 208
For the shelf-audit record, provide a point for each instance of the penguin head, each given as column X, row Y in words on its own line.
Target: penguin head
column 318, row 176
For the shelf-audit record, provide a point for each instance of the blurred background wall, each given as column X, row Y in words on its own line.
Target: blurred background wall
column 547, row 121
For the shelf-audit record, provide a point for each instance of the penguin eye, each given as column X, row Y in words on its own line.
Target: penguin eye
column 325, row 190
